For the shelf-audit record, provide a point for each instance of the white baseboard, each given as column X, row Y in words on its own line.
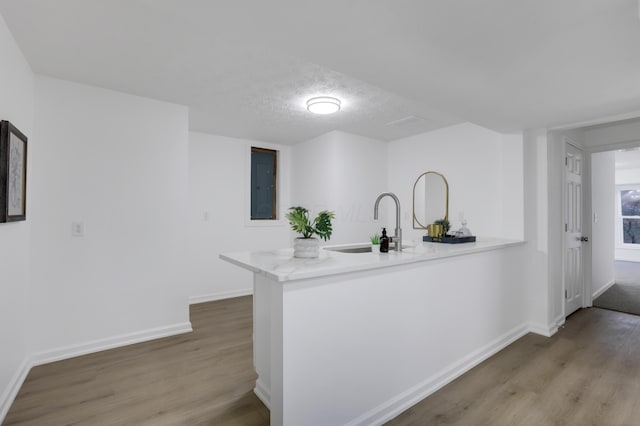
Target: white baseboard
column 109, row 343
column 71, row 351
column 560, row 320
column 546, row 330
column 540, row 329
column 604, row 288
column 220, row 295
column 393, row 407
column 12, row 389
column 262, row 393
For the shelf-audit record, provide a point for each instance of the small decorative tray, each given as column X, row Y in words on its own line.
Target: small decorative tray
column 450, row 240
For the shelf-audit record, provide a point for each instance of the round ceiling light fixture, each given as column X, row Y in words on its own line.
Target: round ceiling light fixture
column 323, row 105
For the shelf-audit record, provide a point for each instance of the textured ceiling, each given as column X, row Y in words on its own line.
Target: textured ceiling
column 272, row 106
column 245, row 68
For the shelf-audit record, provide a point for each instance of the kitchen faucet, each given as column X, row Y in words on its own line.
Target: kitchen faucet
column 396, row 239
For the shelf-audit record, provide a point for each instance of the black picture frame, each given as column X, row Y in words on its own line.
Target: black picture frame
column 13, row 173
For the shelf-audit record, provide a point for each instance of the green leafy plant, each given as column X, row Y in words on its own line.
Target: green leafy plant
column 445, row 224
column 375, row 239
column 300, row 223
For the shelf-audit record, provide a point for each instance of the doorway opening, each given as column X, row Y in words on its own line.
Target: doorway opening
column 603, row 224
column 620, row 209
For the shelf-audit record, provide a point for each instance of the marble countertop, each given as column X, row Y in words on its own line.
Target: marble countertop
column 280, row 265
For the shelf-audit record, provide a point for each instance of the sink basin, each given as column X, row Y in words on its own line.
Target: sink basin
column 351, row 249
column 359, row 248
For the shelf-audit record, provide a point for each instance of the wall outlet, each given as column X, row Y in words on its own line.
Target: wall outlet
column 77, row 229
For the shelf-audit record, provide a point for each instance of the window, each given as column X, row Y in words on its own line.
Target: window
column 264, row 168
column 630, row 215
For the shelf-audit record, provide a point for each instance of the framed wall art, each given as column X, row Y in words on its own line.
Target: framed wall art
column 13, row 173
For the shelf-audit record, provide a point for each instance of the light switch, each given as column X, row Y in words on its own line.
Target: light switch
column 77, row 229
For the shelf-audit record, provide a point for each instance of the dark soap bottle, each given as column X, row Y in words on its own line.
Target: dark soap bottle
column 384, row 242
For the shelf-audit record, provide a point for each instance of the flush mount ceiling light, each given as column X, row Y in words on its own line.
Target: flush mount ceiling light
column 323, row 105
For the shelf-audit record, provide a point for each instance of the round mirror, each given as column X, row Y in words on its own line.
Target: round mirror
column 430, row 199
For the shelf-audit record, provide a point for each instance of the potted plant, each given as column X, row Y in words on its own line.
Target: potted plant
column 375, row 241
column 307, row 246
column 445, row 225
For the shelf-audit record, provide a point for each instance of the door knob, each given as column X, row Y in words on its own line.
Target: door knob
column 584, row 239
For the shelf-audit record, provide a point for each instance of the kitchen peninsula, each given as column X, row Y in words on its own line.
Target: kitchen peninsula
column 357, row 338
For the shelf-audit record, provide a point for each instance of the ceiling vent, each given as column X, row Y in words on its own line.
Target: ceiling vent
column 406, row 121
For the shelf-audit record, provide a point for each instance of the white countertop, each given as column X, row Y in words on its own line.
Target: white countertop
column 280, row 265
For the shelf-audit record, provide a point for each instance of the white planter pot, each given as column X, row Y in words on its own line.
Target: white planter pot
column 306, row 248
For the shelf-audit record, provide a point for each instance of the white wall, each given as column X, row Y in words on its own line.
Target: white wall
column 16, row 105
column 536, row 231
column 512, row 188
column 484, row 170
column 627, row 176
column 219, row 181
column 603, row 227
column 118, row 164
column 343, row 173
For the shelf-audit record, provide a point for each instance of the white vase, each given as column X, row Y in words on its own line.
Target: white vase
column 306, row 248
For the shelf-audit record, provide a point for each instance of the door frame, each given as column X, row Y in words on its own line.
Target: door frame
column 556, row 165
column 634, row 143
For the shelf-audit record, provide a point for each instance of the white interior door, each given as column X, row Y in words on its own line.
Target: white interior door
column 574, row 239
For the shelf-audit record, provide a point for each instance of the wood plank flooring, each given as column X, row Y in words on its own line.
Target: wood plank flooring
column 587, row 374
column 201, row 378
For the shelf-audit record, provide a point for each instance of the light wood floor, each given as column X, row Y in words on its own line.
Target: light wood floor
column 201, row 378
column 587, row 374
